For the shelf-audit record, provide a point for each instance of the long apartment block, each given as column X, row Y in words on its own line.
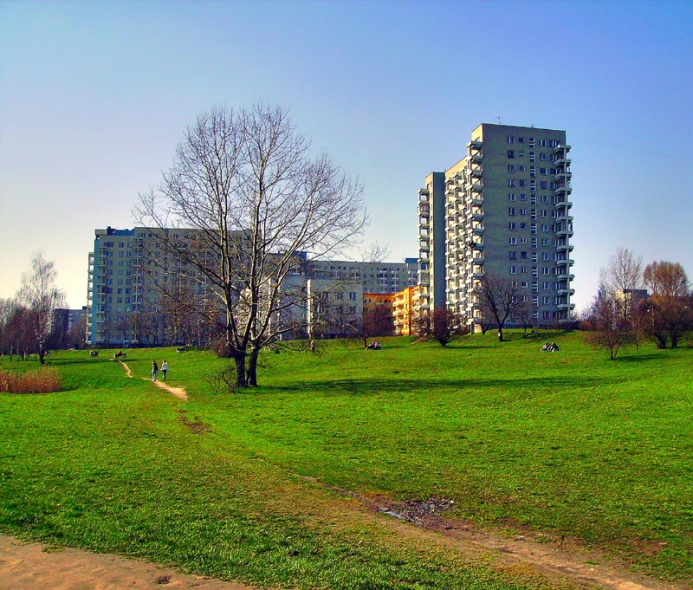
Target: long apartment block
column 504, row 208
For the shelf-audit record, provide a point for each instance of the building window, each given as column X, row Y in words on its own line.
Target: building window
column 352, row 296
column 512, row 255
column 542, row 157
column 511, row 210
column 511, row 196
column 531, row 156
column 511, row 226
column 511, row 153
column 542, row 171
column 513, row 270
column 511, row 168
column 523, row 255
column 523, row 197
column 511, row 182
column 512, row 240
column 543, row 184
column 523, row 211
column 522, row 168
column 523, row 182
column 511, row 139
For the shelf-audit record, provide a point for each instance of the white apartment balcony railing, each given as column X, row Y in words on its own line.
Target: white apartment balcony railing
column 566, row 291
column 563, row 217
column 564, row 233
column 562, row 161
column 566, row 306
column 477, row 172
column 565, row 277
column 564, row 204
column 561, row 149
column 477, row 187
column 568, row 262
column 565, row 248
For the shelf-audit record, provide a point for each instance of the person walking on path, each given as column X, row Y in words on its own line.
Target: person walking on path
column 155, row 370
column 164, row 369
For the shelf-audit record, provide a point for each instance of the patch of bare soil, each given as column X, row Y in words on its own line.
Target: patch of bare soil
column 179, row 392
column 555, row 558
column 34, row 567
column 196, row 427
column 128, row 372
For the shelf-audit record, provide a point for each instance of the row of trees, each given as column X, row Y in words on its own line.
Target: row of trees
column 27, row 322
column 635, row 302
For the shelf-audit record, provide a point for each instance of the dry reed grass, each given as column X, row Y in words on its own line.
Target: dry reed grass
column 43, row 380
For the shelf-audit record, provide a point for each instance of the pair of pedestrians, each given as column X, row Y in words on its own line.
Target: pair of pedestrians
column 155, row 369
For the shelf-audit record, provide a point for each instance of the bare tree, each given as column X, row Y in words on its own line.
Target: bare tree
column 667, row 308
column 609, row 325
column 246, row 182
column 623, row 277
column 42, row 297
column 499, row 298
column 446, row 325
column 524, row 313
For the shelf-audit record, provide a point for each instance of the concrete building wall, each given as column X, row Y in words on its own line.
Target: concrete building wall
column 508, row 213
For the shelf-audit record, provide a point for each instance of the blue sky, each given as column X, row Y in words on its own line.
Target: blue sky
column 94, row 97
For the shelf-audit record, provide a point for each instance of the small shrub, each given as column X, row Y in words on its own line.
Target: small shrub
column 44, row 380
column 223, row 381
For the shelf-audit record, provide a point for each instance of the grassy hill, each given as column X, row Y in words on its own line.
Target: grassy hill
column 259, row 485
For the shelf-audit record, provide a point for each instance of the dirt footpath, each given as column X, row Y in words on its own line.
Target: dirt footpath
column 32, row 567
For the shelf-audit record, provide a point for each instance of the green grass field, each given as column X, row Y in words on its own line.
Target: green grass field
column 245, row 486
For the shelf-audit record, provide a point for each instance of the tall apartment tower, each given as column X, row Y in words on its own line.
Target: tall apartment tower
column 506, row 211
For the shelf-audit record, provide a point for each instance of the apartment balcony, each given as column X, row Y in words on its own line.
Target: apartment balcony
column 562, row 217
column 477, row 187
column 564, row 233
column 475, row 144
column 424, row 209
column 478, row 231
column 565, row 277
column 569, row 262
column 477, row 172
column 563, row 176
column 565, row 248
column 566, row 291
column 564, row 204
column 566, row 306
column 477, row 216
column 477, row 245
column 478, row 260
column 564, row 189
column 477, row 158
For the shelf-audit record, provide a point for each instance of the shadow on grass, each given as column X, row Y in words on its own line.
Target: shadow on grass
column 368, row 387
column 638, row 358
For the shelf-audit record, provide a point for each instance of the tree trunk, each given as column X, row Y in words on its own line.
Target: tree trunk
column 241, row 379
column 500, row 334
column 252, row 368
